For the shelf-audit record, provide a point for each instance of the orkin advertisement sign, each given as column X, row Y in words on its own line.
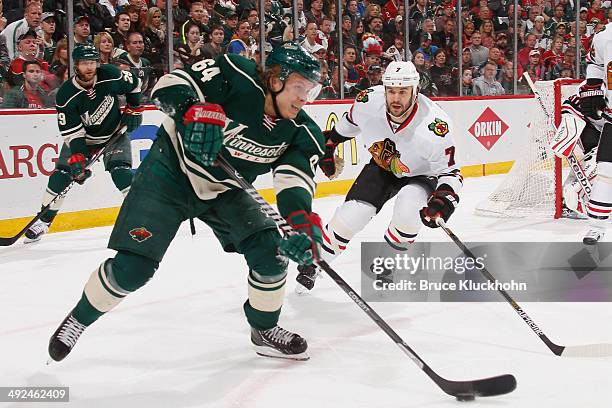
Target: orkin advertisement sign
column 488, row 128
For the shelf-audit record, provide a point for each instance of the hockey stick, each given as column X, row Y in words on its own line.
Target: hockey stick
column 462, row 390
column 587, row 350
column 7, row 241
column 585, row 183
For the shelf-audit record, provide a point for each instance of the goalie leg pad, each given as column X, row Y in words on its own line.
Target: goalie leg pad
column 350, row 218
column 567, row 135
column 406, row 222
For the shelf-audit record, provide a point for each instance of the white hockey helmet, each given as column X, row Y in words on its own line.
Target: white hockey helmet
column 400, row 74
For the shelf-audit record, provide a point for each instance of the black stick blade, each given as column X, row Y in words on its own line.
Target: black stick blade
column 486, row 387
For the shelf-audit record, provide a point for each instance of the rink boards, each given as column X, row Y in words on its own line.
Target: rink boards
column 489, row 133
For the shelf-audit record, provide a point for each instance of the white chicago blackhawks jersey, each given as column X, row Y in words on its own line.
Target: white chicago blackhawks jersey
column 599, row 59
column 421, row 146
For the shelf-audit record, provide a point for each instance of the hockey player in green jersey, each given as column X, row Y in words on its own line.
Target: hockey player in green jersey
column 88, row 115
column 255, row 120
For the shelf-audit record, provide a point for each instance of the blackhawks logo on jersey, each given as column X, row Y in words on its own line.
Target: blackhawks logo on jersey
column 385, row 154
column 363, row 95
column 439, row 127
column 140, row 234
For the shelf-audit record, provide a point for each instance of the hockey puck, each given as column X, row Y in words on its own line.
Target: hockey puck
column 465, row 397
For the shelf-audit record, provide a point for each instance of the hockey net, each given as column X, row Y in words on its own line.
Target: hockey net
column 533, row 185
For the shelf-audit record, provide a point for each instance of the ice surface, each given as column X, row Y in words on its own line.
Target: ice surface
column 182, row 340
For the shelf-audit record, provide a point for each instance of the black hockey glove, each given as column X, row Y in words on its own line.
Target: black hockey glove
column 592, row 98
column 441, row 203
column 331, row 164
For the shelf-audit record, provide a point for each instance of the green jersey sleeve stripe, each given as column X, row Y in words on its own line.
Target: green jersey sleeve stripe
column 229, row 61
column 314, row 139
column 285, row 180
column 286, row 168
column 67, row 132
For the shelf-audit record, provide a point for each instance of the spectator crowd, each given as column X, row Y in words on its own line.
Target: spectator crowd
column 132, row 34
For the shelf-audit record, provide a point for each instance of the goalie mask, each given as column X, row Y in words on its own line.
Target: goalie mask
column 401, row 81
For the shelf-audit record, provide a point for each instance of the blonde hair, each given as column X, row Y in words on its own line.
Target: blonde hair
column 98, row 40
column 150, row 14
column 492, row 33
column 100, row 36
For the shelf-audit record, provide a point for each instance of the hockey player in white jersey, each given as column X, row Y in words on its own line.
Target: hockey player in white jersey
column 595, row 103
column 413, row 159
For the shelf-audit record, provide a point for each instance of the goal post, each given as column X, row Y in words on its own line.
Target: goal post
column 533, row 186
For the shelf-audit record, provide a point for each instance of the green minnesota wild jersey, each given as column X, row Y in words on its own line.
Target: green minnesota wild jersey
column 93, row 114
column 142, row 70
column 254, row 142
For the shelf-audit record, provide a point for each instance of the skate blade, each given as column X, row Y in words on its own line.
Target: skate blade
column 28, row 241
column 271, row 353
column 301, row 289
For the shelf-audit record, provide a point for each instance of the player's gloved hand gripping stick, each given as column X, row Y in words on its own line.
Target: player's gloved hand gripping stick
column 83, row 169
column 463, row 390
column 203, row 136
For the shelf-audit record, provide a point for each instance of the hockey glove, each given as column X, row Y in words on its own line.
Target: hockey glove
column 203, row 135
column 77, row 168
column 330, row 163
column 441, row 203
column 132, row 117
column 303, row 247
column 592, row 98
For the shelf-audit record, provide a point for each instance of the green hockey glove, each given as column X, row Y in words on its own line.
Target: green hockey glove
column 203, row 137
column 303, row 247
column 77, row 167
column 132, row 117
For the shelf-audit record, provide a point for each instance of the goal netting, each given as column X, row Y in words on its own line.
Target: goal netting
column 533, row 185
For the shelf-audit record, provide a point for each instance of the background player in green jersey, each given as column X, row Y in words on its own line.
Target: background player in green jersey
column 255, row 120
column 88, row 115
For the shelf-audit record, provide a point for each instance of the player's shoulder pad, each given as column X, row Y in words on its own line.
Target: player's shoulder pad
column 239, row 71
column 367, row 96
column 309, row 136
column 438, row 122
column 367, row 102
column 66, row 93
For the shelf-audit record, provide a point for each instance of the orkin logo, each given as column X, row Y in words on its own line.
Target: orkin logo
column 488, row 128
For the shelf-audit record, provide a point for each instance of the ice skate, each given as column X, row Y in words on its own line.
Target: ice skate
column 593, row 235
column 65, row 337
column 36, row 231
column 279, row 343
column 306, row 278
column 566, row 212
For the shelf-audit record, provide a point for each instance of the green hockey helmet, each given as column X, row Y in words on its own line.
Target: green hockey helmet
column 292, row 57
column 85, row 52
